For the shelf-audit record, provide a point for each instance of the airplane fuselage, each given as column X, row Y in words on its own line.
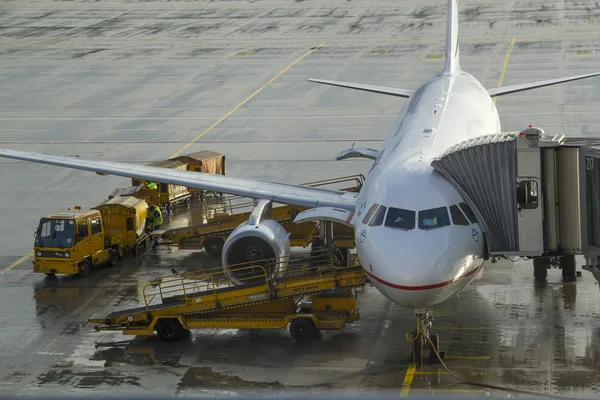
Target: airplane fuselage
column 418, row 251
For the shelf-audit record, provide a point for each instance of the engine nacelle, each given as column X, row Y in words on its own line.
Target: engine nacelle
column 259, row 238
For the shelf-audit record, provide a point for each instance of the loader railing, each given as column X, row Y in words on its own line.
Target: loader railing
column 189, row 286
column 357, row 180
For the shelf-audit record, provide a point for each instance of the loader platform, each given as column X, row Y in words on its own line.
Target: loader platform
column 314, row 292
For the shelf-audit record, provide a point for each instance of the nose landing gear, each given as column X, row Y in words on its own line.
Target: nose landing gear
column 422, row 340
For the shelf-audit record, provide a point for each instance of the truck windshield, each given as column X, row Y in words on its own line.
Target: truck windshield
column 55, row 233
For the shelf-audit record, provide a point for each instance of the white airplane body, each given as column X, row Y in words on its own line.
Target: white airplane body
column 419, row 251
column 419, row 268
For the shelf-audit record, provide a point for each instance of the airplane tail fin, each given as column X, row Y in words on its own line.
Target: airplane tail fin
column 452, row 66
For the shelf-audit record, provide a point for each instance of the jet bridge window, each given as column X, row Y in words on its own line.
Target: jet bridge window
column 527, row 194
column 400, row 219
column 434, row 218
column 378, row 217
column 457, row 216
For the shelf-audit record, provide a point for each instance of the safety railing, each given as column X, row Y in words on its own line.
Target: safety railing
column 189, row 285
column 213, row 280
column 358, row 180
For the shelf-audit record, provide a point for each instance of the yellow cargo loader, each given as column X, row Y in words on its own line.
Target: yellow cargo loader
column 212, row 233
column 306, row 297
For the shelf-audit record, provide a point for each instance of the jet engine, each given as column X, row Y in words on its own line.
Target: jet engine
column 259, row 239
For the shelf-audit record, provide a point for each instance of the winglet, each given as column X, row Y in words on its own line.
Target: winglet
column 452, row 66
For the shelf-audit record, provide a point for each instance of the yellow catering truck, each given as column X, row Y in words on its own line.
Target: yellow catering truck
column 74, row 241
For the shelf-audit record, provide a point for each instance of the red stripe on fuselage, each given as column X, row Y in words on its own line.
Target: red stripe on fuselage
column 426, row 287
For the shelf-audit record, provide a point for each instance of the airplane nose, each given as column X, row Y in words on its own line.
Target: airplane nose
column 418, row 269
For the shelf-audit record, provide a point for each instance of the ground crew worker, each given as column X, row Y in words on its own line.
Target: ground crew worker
column 155, row 216
column 151, row 185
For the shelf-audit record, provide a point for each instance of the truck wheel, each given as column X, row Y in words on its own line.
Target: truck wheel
column 85, row 267
column 540, row 268
column 113, row 257
column 169, row 330
column 303, row 329
column 567, row 263
column 213, row 246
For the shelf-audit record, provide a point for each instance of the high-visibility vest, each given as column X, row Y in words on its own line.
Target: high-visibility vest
column 157, row 219
column 151, row 185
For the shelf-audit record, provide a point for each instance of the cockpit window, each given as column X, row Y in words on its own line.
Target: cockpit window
column 468, row 212
column 370, row 213
column 458, row 217
column 378, row 217
column 400, row 219
column 434, row 218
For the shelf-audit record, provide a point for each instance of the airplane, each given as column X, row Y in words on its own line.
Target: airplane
column 413, row 230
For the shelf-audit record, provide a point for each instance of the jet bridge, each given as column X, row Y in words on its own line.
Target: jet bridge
column 535, row 195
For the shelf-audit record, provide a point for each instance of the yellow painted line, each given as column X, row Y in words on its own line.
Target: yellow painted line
column 408, row 378
column 510, row 49
column 19, row 261
column 450, row 390
column 468, row 357
column 432, row 373
column 247, row 99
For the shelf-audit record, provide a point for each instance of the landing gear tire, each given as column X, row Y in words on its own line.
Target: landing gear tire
column 85, row 267
column 169, row 330
column 188, row 202
column 540, row 269
column 303, row 330
column 213, row 246
column 113, row 257
column 568, row 266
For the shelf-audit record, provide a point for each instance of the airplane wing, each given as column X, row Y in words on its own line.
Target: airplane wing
column 301, row 196
column 534, row 85
column 406, row 93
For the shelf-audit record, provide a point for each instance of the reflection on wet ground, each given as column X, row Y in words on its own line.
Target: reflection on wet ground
column 503, row 330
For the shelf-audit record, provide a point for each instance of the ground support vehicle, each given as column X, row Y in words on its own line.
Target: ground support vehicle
column 74, row 241
column 307, row 298
column 125, row 216
column 213, row 232
column 208, row 162
column 167, row 195
column 212, row 235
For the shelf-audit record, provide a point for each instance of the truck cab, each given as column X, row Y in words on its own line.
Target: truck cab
column 72, row 242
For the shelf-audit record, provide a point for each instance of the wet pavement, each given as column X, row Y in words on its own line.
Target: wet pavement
column 139, row 80
column 504, row 330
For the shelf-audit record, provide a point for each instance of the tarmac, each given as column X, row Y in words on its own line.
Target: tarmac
column 139, row 81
